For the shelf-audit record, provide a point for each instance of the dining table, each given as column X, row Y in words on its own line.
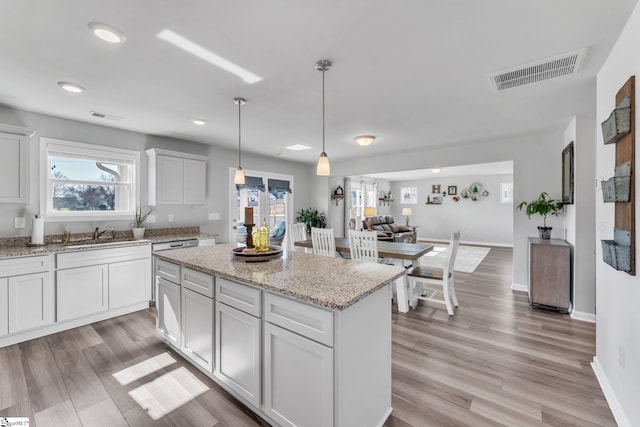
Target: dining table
column 396, row 253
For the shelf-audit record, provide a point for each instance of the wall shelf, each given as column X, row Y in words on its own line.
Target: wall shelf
column 384, row 201
column 337, row 197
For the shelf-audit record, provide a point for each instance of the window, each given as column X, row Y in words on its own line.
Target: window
column 88, row 181
column 506, row 192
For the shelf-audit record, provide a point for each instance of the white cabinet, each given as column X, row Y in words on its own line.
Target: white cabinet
column 129, row 282
column 31, row 301
column 176, row 178
column 168, row 306
column 4, row 307
column 26, row 294
column 298, row 379
column 238, row 358
column 14, row 168
column 197, row 328
column 82, row 291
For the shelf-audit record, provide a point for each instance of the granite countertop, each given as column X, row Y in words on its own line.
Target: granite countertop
column 15, row 247
column 332, row 283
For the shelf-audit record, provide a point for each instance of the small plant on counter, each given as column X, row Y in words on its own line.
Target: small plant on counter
column 140, row 217
column 313, row 218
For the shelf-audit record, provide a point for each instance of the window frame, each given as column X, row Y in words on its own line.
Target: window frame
column 85, row 149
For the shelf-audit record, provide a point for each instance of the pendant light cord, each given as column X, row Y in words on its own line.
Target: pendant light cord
column 323, row 69
column 239, row 136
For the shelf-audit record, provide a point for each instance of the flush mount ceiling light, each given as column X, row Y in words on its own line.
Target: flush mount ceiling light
column 364, row 140
column 298, row 147
column 436, row 170
column 107, row 32
column 323, row 168
column 202, row 53
column 71, row 87
column 199, row 122
column 239, row 178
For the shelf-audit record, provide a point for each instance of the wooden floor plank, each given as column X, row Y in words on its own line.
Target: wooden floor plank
column 102, row 414
column 13, row 386
column 61, row 415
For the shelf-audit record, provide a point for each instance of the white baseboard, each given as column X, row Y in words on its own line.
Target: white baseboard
column 612, row 400
column 586, row 317
column 519, row 288
column 465, row 242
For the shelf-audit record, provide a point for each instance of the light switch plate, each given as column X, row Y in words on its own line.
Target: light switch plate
column 214, row 216
column 19, row 222
column 170, row 218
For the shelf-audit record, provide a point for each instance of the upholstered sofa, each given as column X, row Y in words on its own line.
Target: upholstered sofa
column 388, row 230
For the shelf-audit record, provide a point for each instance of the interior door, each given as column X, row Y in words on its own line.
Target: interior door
column 268, row 206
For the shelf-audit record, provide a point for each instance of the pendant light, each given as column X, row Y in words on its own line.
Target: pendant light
column 323, row 168
column 239, row 179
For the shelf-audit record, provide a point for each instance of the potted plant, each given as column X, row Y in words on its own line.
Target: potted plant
column 543, row 207
column 138, row 222
column 313, row 218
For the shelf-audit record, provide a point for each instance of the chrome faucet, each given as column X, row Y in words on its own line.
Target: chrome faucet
column 97, row 233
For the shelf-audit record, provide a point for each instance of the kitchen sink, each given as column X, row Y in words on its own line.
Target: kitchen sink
column 75, row 244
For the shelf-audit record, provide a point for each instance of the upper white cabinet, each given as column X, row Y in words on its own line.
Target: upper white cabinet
column 14, row 168
column 176, row 178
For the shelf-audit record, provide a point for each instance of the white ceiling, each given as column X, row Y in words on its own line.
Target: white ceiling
column 413, row 72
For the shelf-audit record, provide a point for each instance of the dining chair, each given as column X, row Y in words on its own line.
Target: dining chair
column 298, row 232
column 363, row 245
column 323, row 241
column 425, row 283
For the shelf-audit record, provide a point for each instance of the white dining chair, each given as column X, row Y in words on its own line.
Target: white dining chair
column 298, row 232
column 323, row 241
column 426, row 283
column 363, row 245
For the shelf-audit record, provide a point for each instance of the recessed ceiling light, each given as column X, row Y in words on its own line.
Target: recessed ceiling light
column 199, row 122
column 71, row 87
column 202, row 53
column 107, row 32
column 436, row 170
column 298, row 147
column 364, row 140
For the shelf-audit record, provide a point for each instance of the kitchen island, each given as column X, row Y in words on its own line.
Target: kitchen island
column 302, row 340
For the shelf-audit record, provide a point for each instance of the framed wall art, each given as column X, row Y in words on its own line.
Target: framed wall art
column 409, row 195
column 567, row 174
column 452, row 190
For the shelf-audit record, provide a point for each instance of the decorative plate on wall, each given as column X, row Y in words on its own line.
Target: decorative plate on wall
column 465, row 193
column 485, row 193
column 475, row 188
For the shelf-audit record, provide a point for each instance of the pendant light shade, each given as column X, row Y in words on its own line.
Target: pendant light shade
column 239, row 178
column 323, row 168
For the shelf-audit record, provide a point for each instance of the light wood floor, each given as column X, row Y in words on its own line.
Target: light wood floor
column 497, row 362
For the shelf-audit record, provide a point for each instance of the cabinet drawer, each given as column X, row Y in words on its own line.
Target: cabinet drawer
column 25, row 265
column 309, row 321
column 168, row 271
column 240, row 296
column 102, row 256
column 198, row 281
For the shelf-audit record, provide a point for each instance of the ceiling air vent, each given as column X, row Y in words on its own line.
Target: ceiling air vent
column 104, row 116
column 562, row 65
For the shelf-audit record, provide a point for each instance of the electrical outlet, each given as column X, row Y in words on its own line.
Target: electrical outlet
column 170, row 218
column 19, row 222
column 621, row 356
column 151, row 219
column 214, row 216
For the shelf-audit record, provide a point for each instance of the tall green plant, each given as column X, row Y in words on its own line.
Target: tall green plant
column 543, row 207
column 313, row 218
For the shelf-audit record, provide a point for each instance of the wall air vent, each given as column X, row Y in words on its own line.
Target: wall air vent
column 104, row 116
column 561, row 65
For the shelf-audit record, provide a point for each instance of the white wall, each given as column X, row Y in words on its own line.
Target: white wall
column 617, row 293
column 536, row 168
column 483, row 221
column 220, row 159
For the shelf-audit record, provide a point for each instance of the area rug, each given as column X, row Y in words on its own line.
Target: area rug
column 467, row 259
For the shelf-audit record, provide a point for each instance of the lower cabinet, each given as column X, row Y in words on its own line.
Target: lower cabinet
column 31, row 301
column 4, row 306
column 82, row 291
column 129, row 282
column 298, row 379
column 197, row 328
column 238, row 352
column 168, row 311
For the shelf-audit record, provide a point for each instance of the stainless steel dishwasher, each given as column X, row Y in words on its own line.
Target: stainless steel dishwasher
column 166, row 246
